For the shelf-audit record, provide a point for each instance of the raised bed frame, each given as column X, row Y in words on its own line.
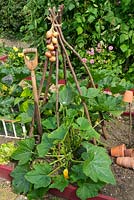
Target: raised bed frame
column 69, row 192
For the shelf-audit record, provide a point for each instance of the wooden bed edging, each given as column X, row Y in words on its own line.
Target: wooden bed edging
column 69, row 192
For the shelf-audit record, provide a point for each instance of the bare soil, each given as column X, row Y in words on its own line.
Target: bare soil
column 124, row 188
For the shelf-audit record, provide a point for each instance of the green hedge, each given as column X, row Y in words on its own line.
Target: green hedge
column 85, row 23
column 12, row 17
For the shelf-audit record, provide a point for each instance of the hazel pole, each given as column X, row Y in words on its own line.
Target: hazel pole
column 75, row 79
column 130, row 122
column 52, row 11
column 104, row 131
column 70, row 66
column 31, row 65
column 56, row 26
column 48, row 83
column 57, row 88
column 73, row 50
column 128, row 98
column 43, row 77
column 59, row 20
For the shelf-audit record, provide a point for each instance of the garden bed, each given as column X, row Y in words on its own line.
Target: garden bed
column 118, row 131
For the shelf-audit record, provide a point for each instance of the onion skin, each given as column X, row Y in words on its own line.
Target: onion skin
column 49, row 41
column 52, row 59
column 55, row 34
column 54, row 40
column 50, row 47
column 53, row 53
column 55, row 46
column 49, row 34
column 48, row 54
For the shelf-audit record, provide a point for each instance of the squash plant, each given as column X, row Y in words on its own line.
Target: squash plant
column 65, row 154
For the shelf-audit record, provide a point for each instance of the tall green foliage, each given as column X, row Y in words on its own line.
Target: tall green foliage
column 85, row 23
column 11, row 17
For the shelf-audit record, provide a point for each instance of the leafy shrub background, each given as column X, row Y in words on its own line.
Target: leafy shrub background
column 11, row 17
column 85, row 23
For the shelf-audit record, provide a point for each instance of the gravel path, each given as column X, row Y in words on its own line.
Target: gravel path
column 11, row 43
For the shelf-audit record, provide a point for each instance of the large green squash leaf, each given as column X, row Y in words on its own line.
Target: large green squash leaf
column 49, row 123
column 59, row 133
column 59, row 183
column 39, row 175
column 77, row 173
column 24, row 151
column 45, row 145
column 90, row 92
column 19, row 183
column 88, row 132
column 97, row 167
column 88, row 190
column 66, row 95
column 37, row 194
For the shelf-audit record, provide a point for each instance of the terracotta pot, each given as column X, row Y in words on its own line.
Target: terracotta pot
column 129, row 152
column 127, row 162
column 69, row 192
column 128, row 96
column 118, row 151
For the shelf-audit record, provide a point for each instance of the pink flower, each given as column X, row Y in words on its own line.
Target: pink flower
column 91, row 61
column 98, row 50
column 84, row 60
column 91, row 52
column 110, row 48
column 99, row 45
column 88, row 52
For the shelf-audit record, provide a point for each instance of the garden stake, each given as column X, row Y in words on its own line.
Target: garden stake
column 57, row 89
column 43, row 77
column 57, row 27
column 128, row 97
column 104, row 131
column 58, row 23
column 31, row 65
column 71, row 48
column 130, row 123
column 75, row 79
column 103, row 126
column 48, row 83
